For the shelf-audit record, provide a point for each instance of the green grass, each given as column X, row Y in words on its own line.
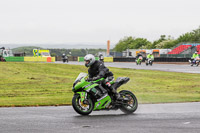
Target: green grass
column 40, row 84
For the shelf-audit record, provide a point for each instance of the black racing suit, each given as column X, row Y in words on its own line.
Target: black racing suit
column 97, row 70
column 101, row 58
column 64, row 58
column 138, row 55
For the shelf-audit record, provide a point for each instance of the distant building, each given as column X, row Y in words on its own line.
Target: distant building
column 144, row 52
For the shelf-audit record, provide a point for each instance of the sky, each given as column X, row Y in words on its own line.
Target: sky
column 94, row 21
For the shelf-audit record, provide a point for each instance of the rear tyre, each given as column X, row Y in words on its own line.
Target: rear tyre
column 80, row 107
column 131, row 105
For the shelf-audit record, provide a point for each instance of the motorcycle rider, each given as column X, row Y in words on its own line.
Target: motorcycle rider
column 101, row 58
column 64, row 58
column 150, row 57
column 97, row 70
column 138, row 58
column 195, row 56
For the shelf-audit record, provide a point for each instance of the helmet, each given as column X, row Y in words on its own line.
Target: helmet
column 195, row 52
column 63, row 54
column 89, row 60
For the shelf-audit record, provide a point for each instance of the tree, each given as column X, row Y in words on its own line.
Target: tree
column 123, row 44
column 155, row 43
column 131, row 43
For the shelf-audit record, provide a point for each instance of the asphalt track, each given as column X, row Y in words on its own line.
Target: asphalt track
column 185, row 68
column 148, row 118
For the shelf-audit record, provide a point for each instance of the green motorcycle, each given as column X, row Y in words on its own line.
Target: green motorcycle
column 95, row 95
column 139, row 60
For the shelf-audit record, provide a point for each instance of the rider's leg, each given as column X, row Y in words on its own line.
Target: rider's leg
column 113, row 90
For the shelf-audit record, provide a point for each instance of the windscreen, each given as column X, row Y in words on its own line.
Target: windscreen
column 81, row 75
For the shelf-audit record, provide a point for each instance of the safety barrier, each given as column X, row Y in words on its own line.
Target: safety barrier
column 70, row 58
column 39, row 59
column 106, row 59
column 158, row 59
column 14, row 59
column 80, row 59
column 175, row 55
column 121, row 59
column 171, row 58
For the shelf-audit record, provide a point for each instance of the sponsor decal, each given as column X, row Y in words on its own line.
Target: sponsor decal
column 98, row 104
column 102, row 97
column 107, row 104
column 87, row 86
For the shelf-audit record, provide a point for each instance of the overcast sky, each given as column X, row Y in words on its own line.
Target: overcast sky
column 94, row 21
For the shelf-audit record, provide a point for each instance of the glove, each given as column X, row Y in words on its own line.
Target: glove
column 89, row 79
column 95, row 78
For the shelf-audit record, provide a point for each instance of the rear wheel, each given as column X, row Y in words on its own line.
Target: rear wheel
column 83, row 108
column 131, row 105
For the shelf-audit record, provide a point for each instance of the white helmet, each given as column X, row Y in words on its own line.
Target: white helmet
column 89, row 60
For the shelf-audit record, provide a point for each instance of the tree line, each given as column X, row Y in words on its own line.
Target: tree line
column 162, row 43
column 28, row 50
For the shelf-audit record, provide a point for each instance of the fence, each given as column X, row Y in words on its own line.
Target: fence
column 158, row 59
column 31, row 59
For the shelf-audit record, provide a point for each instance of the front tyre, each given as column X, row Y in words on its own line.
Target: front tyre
column 131, row 105
column 83, row 108
column 197, row 64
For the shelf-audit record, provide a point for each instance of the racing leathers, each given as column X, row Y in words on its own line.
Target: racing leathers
column 195, row 56
column 97, row 70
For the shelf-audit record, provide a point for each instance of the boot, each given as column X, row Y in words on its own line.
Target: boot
column 102, row 89
column 116, row 95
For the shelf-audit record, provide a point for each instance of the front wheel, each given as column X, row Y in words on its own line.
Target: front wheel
column 83, row 108
column 197, row 63
column 131, row 105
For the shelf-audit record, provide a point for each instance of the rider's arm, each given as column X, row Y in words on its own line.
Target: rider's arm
column 102, row 70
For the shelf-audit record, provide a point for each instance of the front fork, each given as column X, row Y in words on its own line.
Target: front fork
column 83, row 96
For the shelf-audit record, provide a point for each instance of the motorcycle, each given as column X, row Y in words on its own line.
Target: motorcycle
column 2, row 59
column 139, row 60
column 64, row 60
column 92, row 96
column 192, row 62
column 101, row 58
column 148, row 62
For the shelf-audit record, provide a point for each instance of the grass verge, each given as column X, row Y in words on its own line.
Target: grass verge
column 44, row 84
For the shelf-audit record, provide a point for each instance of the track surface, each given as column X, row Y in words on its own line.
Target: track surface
column 186, row 68
column 149, row 118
